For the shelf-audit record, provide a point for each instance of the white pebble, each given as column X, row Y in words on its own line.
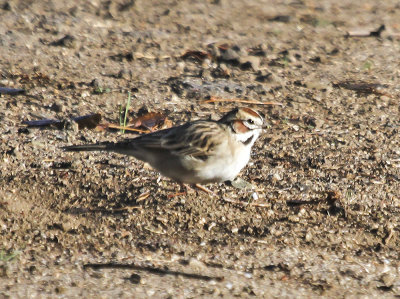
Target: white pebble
column 254, row 196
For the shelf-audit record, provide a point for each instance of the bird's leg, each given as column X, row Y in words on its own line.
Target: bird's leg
column 183, row 191
column 189, row 189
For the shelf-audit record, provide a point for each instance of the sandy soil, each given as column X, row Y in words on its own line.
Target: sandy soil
column 322, row 216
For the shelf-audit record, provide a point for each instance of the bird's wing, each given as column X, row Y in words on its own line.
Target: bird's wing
column 197, row 139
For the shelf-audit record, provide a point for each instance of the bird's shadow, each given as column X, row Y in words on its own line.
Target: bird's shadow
column 153, row 270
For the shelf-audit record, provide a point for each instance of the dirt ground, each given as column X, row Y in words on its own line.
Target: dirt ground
column 321, row 214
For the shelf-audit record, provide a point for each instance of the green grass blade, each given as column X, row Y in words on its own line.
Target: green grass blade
column 128, row 104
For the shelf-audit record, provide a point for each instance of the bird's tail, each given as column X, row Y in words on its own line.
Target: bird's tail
column 107, row 146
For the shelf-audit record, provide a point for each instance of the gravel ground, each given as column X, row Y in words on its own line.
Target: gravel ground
column 319, row 216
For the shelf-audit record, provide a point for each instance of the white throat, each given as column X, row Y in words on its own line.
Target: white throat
column 249, row 137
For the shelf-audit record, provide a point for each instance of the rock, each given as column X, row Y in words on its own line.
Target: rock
column 388, row 279
column 266, row 76
column 124, row 74
column 58, row 107
column 230, row 55
column 68, row 41
column 250, row 62
column 241, row 184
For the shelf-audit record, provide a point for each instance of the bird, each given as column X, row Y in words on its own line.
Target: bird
column 197, row 152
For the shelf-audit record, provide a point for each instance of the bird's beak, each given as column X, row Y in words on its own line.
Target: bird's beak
column 265, row 125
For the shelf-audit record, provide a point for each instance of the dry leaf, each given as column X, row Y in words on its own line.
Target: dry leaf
column 150, row 121
column 363, row 87
column 216, row 99
column 89, row 121
column 196, row 55
column 361, row 32
column 11, row 91
column 44, row 123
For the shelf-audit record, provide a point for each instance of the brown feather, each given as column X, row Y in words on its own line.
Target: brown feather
column 250, row 111
column 239, row 127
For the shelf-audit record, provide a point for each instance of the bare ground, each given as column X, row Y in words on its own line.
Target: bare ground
column 322, row 217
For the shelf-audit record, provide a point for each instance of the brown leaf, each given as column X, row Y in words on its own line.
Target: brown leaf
column 216, row 99
column 11, row 91
column 196, row 55
column 223, row 47
column 363, row 87
column 44, row 123
column 150, row 121
column 365, row 32
column 89, row 121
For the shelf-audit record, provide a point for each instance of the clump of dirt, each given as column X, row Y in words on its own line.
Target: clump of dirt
column 319, row 216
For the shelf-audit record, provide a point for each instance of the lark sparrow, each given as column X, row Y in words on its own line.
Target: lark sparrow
column 197, row 152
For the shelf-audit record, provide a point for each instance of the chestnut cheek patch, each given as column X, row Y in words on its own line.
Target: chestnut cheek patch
column 239, row 127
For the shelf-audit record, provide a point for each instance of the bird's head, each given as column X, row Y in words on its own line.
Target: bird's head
column 246, row 123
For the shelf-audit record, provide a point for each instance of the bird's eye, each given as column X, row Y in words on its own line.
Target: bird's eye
column 250, row 121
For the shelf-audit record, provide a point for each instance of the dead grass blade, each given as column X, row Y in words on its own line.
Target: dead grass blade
column 112, row 126
column 216, row 100
column 245, row 204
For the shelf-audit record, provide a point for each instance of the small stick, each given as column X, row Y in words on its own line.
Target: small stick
column 205, row 189
column 245, row 204
column 214, row 100
column 112, row 126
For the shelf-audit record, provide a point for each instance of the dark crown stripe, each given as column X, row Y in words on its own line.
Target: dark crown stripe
column 251, row 111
